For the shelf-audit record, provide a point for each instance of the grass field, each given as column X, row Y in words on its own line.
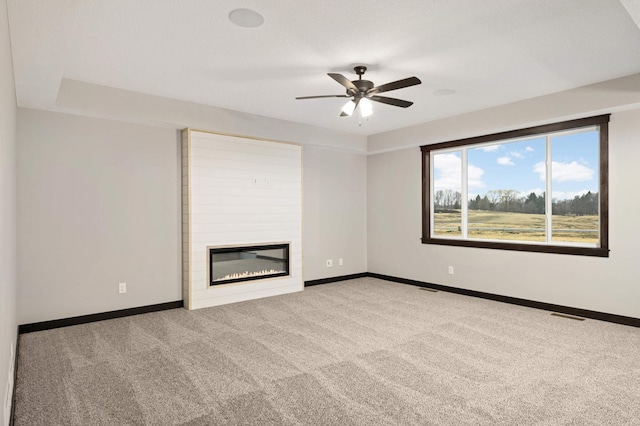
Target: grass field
column 518, row 226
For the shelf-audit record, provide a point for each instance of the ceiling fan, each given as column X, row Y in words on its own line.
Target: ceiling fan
column 362, row 92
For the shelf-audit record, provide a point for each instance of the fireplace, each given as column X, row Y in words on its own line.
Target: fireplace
column 256, row 262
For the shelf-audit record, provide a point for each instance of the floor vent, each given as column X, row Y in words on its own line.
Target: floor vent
column 428, row 289
column 567, row 316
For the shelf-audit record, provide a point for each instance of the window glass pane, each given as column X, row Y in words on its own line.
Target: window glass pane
column 574, row 184
column 447, row 194
column 506, row 195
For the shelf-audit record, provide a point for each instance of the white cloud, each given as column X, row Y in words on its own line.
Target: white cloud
column 474, row 175
column 571, row 172
column 565, row 172
column 529, row 149
column 447, row 173
column 584, row 161
column 516, row 154
column 537, row 191
column 541, row 169
column 491, row 148
column 505, row 161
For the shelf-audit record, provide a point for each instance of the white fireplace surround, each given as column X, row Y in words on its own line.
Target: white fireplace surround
column 238, row 192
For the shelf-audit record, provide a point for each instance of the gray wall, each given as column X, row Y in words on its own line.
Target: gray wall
column 600, row 284
column 334, row 213
column 8, row 324
column 98, row 204
column 101, row 101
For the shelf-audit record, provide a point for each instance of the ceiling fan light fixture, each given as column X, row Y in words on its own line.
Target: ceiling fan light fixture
column 366, row 108
column 349, row 107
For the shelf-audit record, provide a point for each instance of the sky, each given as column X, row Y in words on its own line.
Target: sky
column 520, row 166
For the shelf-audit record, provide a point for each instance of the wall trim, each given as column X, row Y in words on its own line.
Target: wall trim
column 85, row 319
column 335, row 279
column 234, row 135
column 585, row 313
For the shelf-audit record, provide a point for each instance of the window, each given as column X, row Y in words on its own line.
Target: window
column 493, row 191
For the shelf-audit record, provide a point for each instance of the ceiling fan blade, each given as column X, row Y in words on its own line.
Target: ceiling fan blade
column 400, row 84
column 344, row 81
column 322, row 96
column 391, row 101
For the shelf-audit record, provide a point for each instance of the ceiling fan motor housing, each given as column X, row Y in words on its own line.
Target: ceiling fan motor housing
column 363, row 86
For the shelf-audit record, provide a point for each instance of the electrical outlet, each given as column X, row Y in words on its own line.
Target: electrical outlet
column 122, row 288
column 340, row 262
column 329, row 263
column 450, row 270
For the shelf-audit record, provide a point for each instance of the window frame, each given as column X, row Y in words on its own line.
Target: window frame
column 602, row 121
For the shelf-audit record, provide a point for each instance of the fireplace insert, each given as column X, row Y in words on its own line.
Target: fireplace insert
column 235, row 264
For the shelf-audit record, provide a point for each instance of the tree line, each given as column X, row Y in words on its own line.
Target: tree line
column 510, row 200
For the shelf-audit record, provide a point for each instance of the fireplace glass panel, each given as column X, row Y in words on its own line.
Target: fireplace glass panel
column 235, row 264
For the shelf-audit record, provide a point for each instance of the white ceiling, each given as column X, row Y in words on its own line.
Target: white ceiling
column 491, row 52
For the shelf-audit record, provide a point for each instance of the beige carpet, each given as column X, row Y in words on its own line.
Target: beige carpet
column 359, row 352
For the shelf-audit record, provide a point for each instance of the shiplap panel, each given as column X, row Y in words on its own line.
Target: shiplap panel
column 252, row 154
column 186, row 224
column 198, row 256
column 205, row 209
column 236, row 200
column 246, row 181
column 207, row 141
column 240, row 192
column 225, row 144
column 238, row 237
column 244, row 217
column 247, row 226
column 212, row 172
column 272, row 194
column 216, row 301
column 238, row 164
column 245, row 287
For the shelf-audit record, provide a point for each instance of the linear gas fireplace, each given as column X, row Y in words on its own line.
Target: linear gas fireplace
column 235, row 264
